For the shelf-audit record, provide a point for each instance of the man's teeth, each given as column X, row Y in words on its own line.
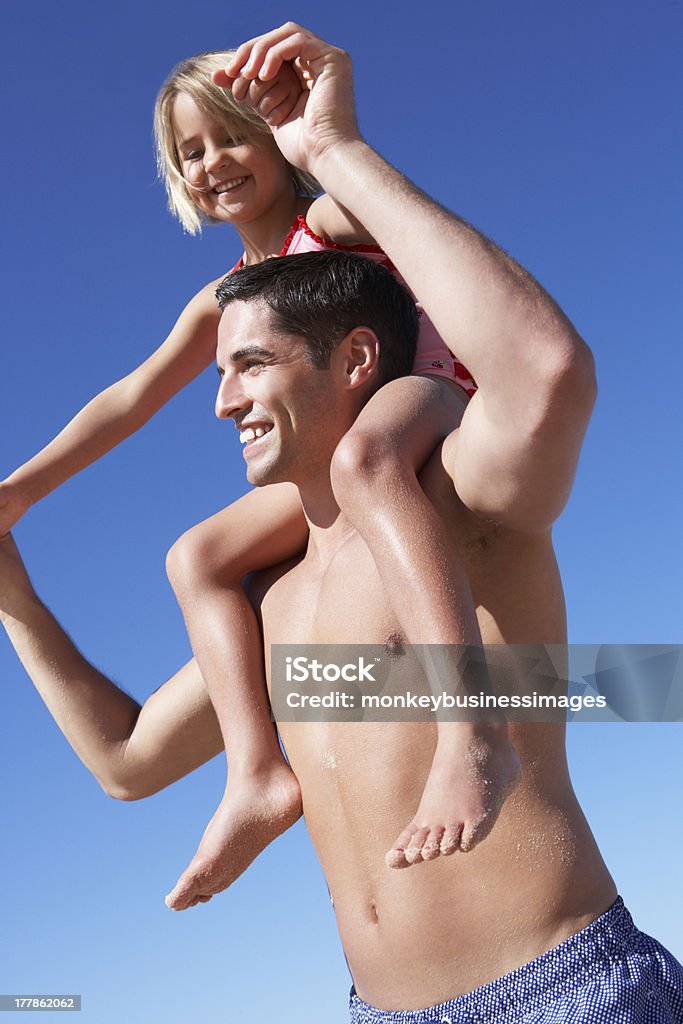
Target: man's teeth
column 250, row 434
column 228, row 185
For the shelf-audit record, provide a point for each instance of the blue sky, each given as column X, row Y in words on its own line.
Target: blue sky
column 550, row 127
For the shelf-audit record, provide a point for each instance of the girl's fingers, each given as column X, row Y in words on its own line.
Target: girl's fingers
column 274, row 92
column 276, row 116
column 240, row 89
column 223, row 79
column 264, row 97
column 273, row 100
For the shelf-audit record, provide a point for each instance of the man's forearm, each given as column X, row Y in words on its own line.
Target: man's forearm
column 132, row 751
column 95, row 715
column 488, row 309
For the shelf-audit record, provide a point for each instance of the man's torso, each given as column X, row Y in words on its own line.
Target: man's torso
column 418, row 936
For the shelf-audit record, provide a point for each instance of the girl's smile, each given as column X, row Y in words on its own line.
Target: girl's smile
column 231, row 178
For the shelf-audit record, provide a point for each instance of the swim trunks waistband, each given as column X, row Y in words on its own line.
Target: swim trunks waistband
column 609, row 973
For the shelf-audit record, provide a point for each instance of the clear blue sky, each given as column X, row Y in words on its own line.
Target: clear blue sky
column 550, row 127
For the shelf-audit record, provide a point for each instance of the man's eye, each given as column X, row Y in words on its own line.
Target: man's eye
column 254, row 364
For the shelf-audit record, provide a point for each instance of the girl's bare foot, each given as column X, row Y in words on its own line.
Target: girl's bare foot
column 474, row 770
column 254, row 811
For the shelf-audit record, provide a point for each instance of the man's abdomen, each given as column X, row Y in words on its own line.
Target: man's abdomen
column 420, row 935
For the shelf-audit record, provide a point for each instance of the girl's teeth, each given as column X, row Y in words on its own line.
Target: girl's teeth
column 229, row 185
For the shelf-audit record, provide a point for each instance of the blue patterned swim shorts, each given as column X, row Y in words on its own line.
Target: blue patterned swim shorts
column 609, row 973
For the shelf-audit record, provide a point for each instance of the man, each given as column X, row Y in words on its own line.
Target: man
column 431, row 936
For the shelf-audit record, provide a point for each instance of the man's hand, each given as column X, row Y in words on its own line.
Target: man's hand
column 16, row 589
column 324, row 114
column 13, row 503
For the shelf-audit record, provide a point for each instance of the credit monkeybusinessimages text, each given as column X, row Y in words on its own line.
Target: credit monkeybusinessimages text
column 435, row 702
column 395, row 681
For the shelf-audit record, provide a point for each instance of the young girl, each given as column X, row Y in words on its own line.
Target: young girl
column 220, row 163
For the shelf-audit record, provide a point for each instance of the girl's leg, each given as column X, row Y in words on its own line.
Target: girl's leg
column 375, row 479
column 206, row 567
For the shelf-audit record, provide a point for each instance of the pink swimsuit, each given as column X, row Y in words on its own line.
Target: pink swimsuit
column 433, row 357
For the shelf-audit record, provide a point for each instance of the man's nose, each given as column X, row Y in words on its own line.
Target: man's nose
column 230, row 399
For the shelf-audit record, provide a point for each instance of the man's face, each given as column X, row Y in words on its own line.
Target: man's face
column 290, row 414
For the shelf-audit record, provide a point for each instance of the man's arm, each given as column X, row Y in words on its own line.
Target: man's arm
column 514, row 456
column 132, row 751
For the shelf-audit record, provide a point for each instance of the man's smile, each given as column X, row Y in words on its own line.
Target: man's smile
column 251, row 435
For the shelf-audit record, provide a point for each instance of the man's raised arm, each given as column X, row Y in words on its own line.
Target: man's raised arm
column 132, row 751
column 514, row 457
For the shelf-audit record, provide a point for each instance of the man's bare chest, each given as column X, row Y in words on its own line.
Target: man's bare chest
column 342, row 602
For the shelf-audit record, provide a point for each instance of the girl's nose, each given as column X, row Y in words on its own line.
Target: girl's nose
column 215, row 158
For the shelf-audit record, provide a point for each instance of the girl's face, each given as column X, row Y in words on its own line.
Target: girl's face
column 236, row 180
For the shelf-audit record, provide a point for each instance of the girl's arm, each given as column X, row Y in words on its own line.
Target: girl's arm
column 334, row 223
column 119, row 411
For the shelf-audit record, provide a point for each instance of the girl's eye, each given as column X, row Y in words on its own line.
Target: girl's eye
column 194, row 155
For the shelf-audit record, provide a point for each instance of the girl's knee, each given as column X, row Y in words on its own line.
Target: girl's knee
column 196, row 560
column 180, row 565
column 360, row 463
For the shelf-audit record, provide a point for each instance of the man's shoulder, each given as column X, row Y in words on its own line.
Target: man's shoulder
column 259, row 584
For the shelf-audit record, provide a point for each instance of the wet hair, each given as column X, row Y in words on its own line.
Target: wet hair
column 322, row 296
column 193, row 77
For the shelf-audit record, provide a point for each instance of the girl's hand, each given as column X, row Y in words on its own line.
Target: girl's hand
column 273, row 100
column 13, row 503
column 324, row 114
column 16, row 589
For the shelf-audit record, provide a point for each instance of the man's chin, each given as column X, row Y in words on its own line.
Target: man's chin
column 261, row 476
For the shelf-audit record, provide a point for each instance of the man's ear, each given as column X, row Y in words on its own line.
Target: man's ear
column 360, row 353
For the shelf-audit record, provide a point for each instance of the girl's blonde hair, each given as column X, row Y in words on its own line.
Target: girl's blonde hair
column 193, row 77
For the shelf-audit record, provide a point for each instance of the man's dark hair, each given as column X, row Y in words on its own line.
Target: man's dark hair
column 321, row 296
